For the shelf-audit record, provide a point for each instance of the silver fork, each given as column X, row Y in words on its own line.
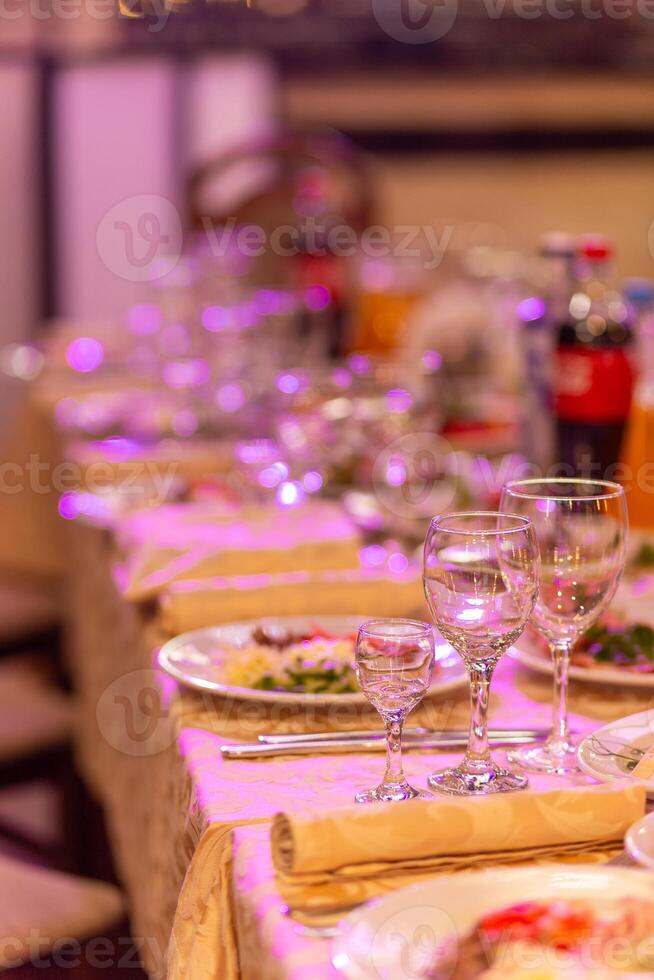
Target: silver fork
column 622, row 860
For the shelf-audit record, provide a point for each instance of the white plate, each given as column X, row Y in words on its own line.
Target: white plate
column 396, row 936
column 639, row 841
column 603, row 754
column 526, row 653
column 195, row 658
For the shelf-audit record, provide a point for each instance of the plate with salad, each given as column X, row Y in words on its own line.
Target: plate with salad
column 291, row 659
column 548, row 922
column 618, row 649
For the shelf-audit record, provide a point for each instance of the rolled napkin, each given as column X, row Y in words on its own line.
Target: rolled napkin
column 192, row 604
column 325, row 860
column 193, row 543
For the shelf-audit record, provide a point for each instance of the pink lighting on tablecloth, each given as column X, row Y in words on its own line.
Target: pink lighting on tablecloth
column 85, row 354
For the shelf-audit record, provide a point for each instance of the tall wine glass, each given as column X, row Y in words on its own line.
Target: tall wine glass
column 394, row 663
column 481, row 580
column 581, row 529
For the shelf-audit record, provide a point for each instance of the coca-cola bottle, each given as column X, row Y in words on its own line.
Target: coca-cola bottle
column 594, row 376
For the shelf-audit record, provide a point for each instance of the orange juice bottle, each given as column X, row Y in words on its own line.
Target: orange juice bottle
column 638, row 446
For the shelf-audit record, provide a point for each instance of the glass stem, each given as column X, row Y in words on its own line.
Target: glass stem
column 480, row 672
column 394, row 773
column 560, row 733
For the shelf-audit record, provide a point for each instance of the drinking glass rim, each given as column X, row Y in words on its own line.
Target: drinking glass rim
column 419, row 626
column 614, row 490
column 522, row 523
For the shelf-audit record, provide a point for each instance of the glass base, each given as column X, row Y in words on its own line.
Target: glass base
column 391, row 793
column 476, row 780
column 553, row 757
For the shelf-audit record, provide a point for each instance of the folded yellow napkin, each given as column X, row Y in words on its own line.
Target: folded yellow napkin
column 192, row 604
column 327, row 860
column 268, row 539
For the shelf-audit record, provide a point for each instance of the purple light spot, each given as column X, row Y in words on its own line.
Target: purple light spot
column 68, row 506
column 398, row 563
column 85, row 354
column 270, row 301
column 342, row 378
column 186, row 374
column 290, row 494
column 288, row 383
column 230, row 397
column 317, row 297
column 312, row 481
column 359, row 364
column 144, row 319
column 399, row 400
column 532, row 308
column 273, row 475
column 431, row 360
column 545, row 506
column 259, row 451
column 373, row 556
column 215, row 318
column 396, row 473
column 117, row 448
column 185, row 423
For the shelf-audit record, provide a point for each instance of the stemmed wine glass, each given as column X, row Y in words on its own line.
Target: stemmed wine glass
column 394, row 663
column 481, row 579
column 581, row 529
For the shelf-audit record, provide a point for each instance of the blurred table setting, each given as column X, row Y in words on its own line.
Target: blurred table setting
column 209, row 467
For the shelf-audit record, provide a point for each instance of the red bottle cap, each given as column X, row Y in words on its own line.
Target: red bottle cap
column 595, row 247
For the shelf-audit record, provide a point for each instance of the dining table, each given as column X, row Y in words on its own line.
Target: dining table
column 190, row 829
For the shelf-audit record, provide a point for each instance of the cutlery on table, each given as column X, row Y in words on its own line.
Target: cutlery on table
column 300, row 745
column 419, row 734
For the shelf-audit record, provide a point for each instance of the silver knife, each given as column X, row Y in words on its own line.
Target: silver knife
column 408, row 735
column 251, row 750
